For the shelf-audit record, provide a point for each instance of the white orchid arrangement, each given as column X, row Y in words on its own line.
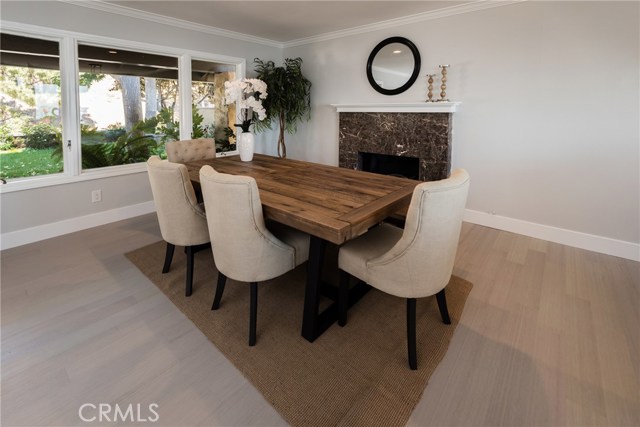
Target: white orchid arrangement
column 248, row 93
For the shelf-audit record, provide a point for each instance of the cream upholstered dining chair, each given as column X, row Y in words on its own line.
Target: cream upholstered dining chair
column 182, row 219
column 415, row 262
column 189, row 150
column 243, row 248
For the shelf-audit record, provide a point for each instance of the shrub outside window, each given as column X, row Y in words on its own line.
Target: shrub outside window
column 129, row 105
column 30, row 107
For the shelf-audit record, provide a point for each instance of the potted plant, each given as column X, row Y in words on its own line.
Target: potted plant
column 289, row 98
column 249, row 94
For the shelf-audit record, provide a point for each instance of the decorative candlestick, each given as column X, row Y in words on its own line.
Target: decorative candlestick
column 430, row 87
column 443, row 86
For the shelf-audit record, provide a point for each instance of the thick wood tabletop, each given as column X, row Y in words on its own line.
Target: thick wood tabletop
column 329, row 202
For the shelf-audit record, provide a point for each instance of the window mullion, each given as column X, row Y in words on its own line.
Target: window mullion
column 184, row 85
column 70, row 111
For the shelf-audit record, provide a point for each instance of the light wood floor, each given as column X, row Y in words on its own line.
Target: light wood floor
column 549, row 337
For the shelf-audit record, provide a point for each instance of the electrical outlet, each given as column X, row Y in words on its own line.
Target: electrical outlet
column 96, row 196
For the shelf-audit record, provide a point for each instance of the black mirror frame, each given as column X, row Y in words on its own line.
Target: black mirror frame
column 416, row 65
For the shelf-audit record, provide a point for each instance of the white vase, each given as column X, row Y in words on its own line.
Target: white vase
column 245, row 146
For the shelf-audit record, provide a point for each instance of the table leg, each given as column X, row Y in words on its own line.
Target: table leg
column 310, row 318
column 314, row 322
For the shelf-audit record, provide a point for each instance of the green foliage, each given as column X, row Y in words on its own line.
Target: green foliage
column 197, row 130
column 6, row 138
column 169, row 128
column 131, row 147
column 114, row 132
column 27, row 162
column 41, row 135
column 88, row 130
column 289, row 93
column 87, row 79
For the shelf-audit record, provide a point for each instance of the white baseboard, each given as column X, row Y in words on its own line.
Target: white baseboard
column 576, row 239
column 47, row 231
column 563, row 236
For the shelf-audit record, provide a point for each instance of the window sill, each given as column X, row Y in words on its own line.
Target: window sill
column 30, row 183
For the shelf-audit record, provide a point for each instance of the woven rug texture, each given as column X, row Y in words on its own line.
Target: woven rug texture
column 352, row 376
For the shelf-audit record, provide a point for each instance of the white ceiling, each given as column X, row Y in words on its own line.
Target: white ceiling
column 284, row 21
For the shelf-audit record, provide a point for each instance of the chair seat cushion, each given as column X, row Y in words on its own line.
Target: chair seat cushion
column 292, row 237
column 355, row 254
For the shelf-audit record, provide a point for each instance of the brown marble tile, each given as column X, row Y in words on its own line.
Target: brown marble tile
column 426, row 136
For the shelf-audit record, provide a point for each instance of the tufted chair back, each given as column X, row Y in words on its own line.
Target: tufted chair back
column 189, row 150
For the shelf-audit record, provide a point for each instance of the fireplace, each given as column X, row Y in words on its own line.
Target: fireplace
column 386, row 164
column 417, row 131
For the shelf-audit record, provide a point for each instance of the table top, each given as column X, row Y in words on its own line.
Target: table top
column 335, row 204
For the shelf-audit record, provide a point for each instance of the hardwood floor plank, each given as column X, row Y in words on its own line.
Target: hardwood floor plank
column 549, row 337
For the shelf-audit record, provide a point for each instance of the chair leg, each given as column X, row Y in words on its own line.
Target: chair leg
column 411, row 333
column 253, row 314
column 189, row 285
column 442, row 305
column 168, row 257
column 343, row 298
column 222, row 280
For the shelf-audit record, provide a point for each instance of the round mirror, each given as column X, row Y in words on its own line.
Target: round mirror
column 393, row 66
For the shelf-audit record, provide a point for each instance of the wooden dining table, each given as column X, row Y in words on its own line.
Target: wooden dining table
column 331, row 204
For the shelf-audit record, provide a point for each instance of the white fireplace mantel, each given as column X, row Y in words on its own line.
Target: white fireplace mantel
column 409, row 107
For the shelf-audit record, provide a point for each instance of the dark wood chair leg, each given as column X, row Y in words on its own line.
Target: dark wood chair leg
column 253, row 315
column 411, row 333
column 442, row 305
column 189, row 286
column 168, row 257
column 343, row 298
column 222, row 280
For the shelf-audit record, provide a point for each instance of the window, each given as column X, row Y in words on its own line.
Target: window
column 77, row 107
column 30, row 107
column 210, row 117
column 128, row 105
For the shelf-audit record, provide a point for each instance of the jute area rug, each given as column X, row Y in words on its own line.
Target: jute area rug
column 352, row 376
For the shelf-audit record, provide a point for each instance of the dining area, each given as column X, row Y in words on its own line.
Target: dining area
column 265, row 217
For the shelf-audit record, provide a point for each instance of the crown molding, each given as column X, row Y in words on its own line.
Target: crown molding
column 473, row 6
column 405, row 20
column 174, row 22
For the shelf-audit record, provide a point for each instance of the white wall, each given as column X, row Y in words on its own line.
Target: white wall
column 548, row 129
column 33, row 208
column 549, row 122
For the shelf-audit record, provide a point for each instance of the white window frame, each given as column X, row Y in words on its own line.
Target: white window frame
column 70, row 100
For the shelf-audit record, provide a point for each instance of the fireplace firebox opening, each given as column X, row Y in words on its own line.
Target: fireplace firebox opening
column 385, row 164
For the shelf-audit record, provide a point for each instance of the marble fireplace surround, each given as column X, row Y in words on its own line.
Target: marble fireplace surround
column 422, row 130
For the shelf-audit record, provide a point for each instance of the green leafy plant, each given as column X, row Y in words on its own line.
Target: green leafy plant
column 197, row 130
column 134, row 146
column 113, row 132
column 169, row 128
column 289, row 99
column 6, row 138
column 41, row 135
